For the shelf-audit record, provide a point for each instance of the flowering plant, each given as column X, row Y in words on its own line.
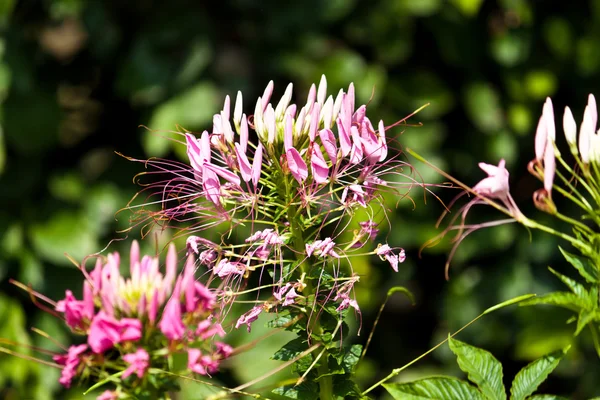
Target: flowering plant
column 282, row 188
column 577, row 183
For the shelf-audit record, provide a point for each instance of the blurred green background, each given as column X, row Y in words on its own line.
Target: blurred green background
column 78, row 78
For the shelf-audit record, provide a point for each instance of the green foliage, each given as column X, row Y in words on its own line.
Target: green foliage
column 529, row 378
column 482, row 368
column 440, row 388
column 485, row 372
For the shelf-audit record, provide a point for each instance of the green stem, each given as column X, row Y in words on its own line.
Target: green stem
column 299, row 246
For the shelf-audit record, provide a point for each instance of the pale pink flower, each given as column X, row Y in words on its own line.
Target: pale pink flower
column 249, row 317
column 225, row 268
column 322, row 248
column 386, row 252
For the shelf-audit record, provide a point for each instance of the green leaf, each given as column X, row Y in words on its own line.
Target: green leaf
column 345, row 388
column 547, row 397
column 562, row 299
column 584, row 318
column 438, row 388
column 482, row 368
column 575, row 286
column 307, row 390
column 351, row 357
column 290, row 350
column 532, row 375
column 583, row 265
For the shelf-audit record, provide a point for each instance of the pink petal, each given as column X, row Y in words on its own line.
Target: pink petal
column 224, row 173
column 296, row 165
column 319, row 167
column 344, row 134
column 243, row 163
column 257, row 164
column 329, row 144
column 243, row 134
column 288, row 133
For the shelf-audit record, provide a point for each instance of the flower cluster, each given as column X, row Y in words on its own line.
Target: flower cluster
column 295, row 175
column 133, row 324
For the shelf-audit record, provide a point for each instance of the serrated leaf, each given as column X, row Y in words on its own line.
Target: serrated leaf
column 575, row 286
column 585, row 317
column 547, row 397
column 281, row 320
column 344, row 388
column 438, row 388
column 290, row 350
column 482, row 368
column 307, row 390
column 563, row 299
column 351, row 357
column 533, row 374
column 583, row 265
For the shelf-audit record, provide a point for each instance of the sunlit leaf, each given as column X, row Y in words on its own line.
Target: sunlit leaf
column 583, row 265
column 577, row 288
column 532, row 375
column 437, row 388
column 482, row 368
column 562, row 299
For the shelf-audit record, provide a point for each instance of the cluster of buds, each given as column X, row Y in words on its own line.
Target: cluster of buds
column 136, row 323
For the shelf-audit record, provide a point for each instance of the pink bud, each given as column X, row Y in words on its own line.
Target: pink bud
column 257, row 164
column 243, row 134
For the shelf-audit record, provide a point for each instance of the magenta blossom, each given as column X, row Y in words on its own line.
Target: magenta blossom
column 106, row 331
column 70, row 363
column 108, row 395
column 138, row 363
column 201, row 364
column 77, row 313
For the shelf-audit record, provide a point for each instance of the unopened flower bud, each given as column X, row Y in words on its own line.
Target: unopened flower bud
column 237, row 111
column 548, row 112
column 570, row 129
column 284, row 102
column 543, row 201
column 585, row 135
column 322, row 92
column 327, row 113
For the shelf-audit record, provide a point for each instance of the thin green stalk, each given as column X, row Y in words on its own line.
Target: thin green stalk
column 489, row 310
column 583, row 183
column 299, row 246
